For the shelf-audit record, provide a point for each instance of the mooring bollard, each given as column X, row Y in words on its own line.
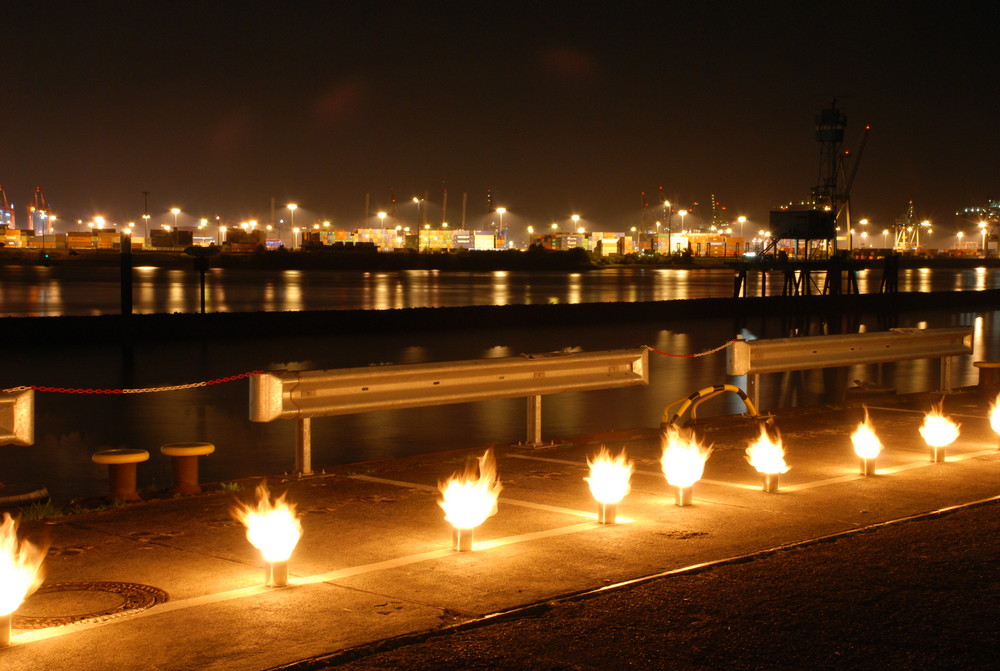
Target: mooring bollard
column 121, row 471
column 185, row 465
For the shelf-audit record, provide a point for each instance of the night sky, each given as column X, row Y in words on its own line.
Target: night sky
column 559, row 108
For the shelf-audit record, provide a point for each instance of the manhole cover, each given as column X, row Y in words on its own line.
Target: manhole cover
column 86, row 601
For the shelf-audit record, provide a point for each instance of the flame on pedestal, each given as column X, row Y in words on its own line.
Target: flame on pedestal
column 995, row 415
column 767, row 456
column 471, row 497
column 609, row 477
column 684, row 458
column 866, row 443
column 938, row 430
column 20, row 567
column 272, row 527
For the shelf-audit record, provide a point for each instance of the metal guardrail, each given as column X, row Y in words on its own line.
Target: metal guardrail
column 17, row 417
column 754, row 357
column 307, row 394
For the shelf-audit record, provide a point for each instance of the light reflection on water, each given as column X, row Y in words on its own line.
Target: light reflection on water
column 28, row 290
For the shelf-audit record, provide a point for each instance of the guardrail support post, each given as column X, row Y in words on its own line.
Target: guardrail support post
column 303, row 446
column 534, row 420
column 946, row 374
column 753, row 388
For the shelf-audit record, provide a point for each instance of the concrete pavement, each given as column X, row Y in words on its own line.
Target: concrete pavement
column 375, row 560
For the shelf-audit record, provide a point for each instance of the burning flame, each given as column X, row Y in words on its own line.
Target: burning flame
column 767, row 456
column 20, row 567
column 995, row 415
column 272, row 528
column 683, row 459
column 866, row 443
column 609, row 476
column 938, row 430
column 468, row 499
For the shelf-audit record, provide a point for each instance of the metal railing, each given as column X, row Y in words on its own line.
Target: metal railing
column 325, row 393
column 754, row 357
column 17, row 417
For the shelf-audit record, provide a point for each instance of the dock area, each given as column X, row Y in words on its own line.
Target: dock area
column 174, row 584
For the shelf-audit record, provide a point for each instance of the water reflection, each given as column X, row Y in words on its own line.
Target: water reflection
column 81, row 291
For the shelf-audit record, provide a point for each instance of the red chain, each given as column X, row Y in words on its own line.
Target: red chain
column 711, row 351
column 64, row 390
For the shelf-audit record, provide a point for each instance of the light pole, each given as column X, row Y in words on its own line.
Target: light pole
column 291, row 219
column 381, row 219
column 501, row 211
column 576, row 221
column 959, row 235
column 885, row 236
column 175, row 211
column 982, row 229
column 683, row 214
column 418, row 201
column 222, row 234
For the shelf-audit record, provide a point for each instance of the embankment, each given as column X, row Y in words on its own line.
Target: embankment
column 262, row 325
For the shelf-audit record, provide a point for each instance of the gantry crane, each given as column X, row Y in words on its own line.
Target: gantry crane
column 6, row 211
column 38, row 208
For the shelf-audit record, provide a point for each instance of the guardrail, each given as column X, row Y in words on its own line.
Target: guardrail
column 754, row 357
column 17, row 417
column 306, row 394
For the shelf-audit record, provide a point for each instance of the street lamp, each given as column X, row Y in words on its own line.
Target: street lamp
column 176, row 211
column 291, row 219
column 418, row 201
column 885, row 235
column 742, row 221
column 501, row 211
column 295, row 236
column 145, row 234
column 960, row 235
column 683, row 214
column 576, row 220
column 381, row 219
column 222, row 233
column 982, row 229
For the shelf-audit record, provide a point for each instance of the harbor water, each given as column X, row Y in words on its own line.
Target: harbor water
column 69, row 427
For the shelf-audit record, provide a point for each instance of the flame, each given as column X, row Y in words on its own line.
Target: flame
column 468, row 499
column 609, row 476
column 20, row 567
column 866, row 443
column 767, row 456
column 995, row 415
column 683, row 459
column 272, row 528
column 938, row 430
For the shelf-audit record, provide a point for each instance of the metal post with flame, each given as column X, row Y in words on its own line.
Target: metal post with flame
column 609, row 482
column 995, row 418
column 683, row 462
column 866, row 445
column 274, row 529
column 768, row 457
column 938, row 432
column 470, row 498
column 20, row 573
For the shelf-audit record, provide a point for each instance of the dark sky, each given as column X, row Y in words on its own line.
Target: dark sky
column 560, row 108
